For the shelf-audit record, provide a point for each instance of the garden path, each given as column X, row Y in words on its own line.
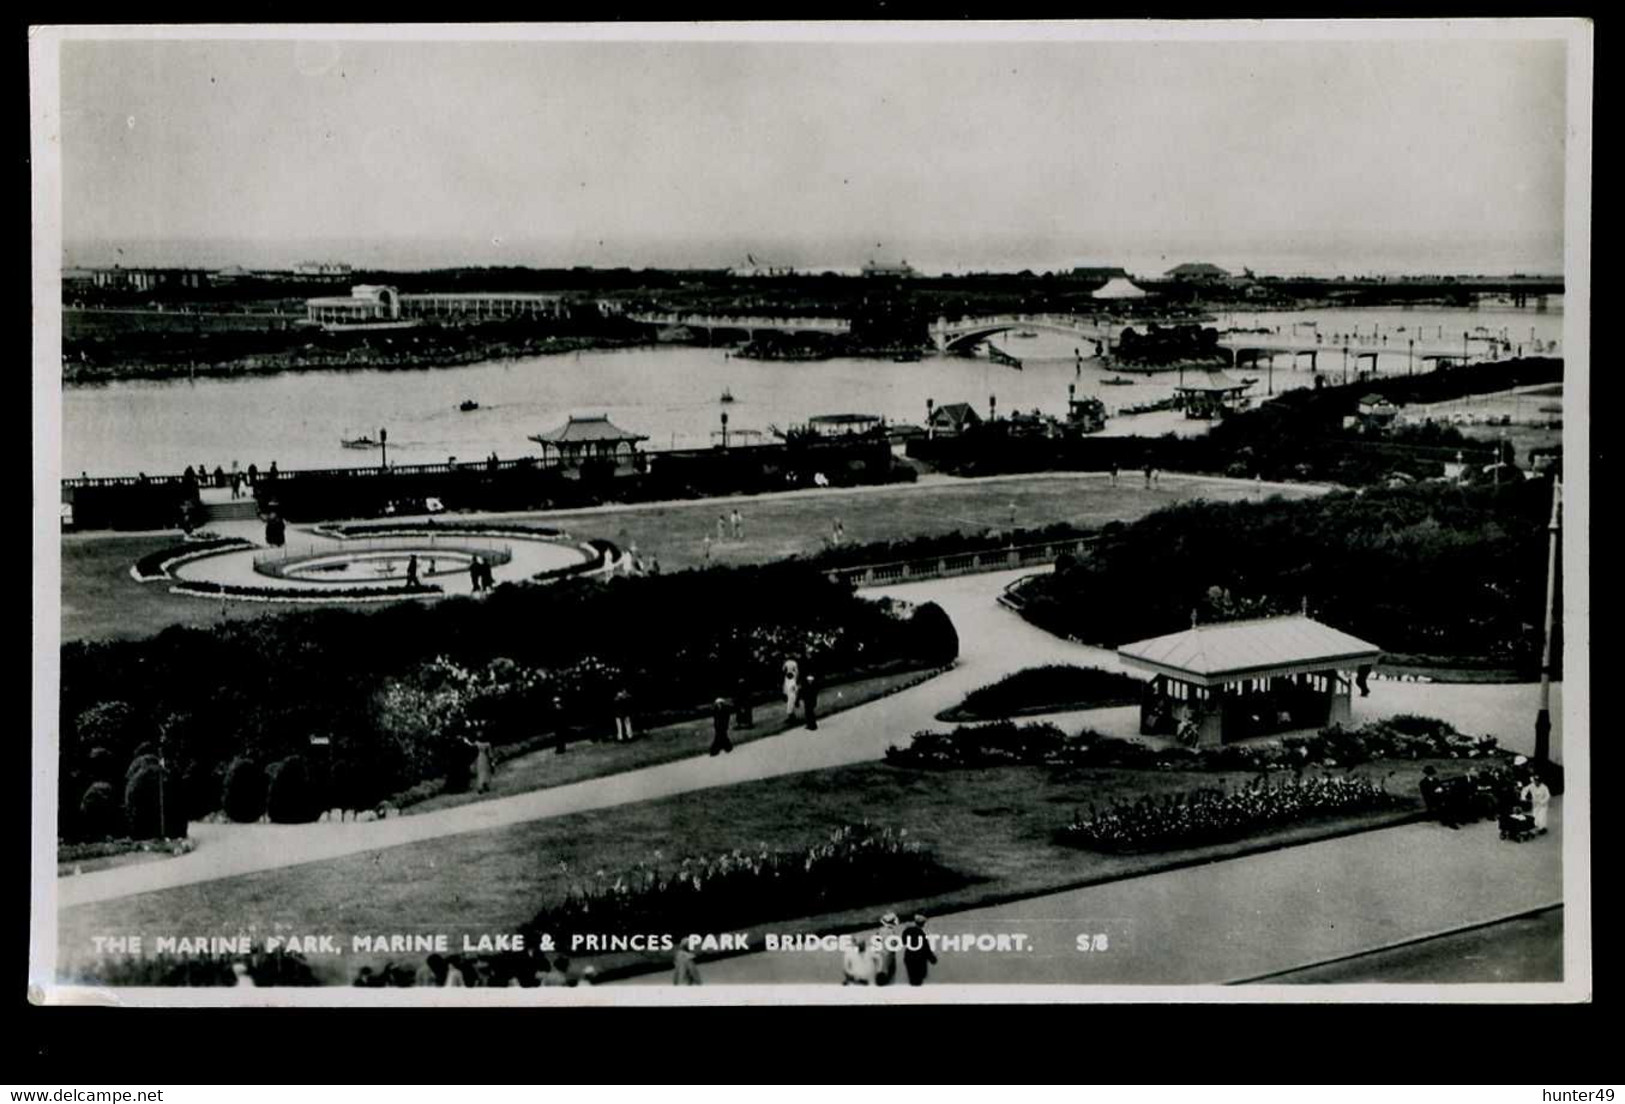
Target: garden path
column 993, row 642
column 1228, row 921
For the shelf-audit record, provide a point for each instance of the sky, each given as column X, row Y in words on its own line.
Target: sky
column 1327, row 157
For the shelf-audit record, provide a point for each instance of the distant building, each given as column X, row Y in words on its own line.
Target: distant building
column 1101, row 275
column 1197, row 273
column 899, row 270
column 1119, row 287
column 327, row 269
column 149, row 279
column 376, row 303
column 952, row 419
column 1377, row 412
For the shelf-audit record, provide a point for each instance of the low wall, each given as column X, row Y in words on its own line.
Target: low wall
column 959, row 563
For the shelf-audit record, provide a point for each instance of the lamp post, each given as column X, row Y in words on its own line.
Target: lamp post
column 383, row 443
column 1543, row 719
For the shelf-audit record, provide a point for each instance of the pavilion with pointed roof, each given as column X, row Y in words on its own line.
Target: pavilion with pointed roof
column 1237, row 679
column 1210, row 393
column 591, row 440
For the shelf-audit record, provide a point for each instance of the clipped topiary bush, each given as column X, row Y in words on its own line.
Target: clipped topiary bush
column 98, row 811
column 148, row 811
column 289, row 796
column 934, row 638
column 243, row 796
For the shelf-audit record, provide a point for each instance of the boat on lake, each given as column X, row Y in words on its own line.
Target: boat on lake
column 1118, row 381
column 1025, row 333
column 727, row 396
column 365, row 441
column 468, row 404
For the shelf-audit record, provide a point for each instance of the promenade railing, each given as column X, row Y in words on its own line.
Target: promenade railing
column 958, row 563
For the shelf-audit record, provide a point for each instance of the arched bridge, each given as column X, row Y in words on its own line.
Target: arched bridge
column 963, row 334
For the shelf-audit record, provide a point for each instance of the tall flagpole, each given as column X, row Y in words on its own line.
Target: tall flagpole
column 1543, row 719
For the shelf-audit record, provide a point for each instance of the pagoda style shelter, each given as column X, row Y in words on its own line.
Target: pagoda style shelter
column 1237, row 679
column 592, row 442
column 1211, row 394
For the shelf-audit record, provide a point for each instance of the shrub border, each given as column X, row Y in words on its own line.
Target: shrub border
column 181, row 554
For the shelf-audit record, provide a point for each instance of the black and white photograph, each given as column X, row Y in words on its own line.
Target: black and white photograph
column 811, row 513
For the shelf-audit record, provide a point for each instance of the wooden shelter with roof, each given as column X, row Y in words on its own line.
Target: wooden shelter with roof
column 591, row 443
column 1213, row 684
column 1211, row 393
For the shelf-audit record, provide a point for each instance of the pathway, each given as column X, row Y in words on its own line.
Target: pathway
column 993, row 642
column 1230, row 920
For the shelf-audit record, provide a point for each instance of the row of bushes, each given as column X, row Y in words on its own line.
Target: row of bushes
column 1427, row 570
column 379, row 682
column 1215, row 815
column 154, row 564
column 944, row 544
column 1005, row 743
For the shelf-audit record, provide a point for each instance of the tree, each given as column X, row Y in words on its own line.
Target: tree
column 290, row 798
column 934, row 637
column 243, row 796
column 148, row 812
column 98, row 811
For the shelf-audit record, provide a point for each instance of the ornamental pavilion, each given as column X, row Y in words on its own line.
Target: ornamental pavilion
column 1238, row 679
column 592, row 441
column 1211, row 394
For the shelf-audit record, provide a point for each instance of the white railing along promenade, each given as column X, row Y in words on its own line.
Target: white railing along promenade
column 956, row 563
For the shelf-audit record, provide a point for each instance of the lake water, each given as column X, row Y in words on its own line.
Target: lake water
column 671, row 394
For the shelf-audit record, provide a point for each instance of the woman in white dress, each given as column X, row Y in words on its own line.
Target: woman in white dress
column 1539, row 797
column 792, row 686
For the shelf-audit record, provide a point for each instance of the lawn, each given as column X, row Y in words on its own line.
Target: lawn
column 993, row 827
column 100, row 600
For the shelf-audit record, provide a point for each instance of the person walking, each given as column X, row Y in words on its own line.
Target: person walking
column 721, row 711
column 684, row 970
column 708, row 548
column 809, row 699
column 722, row 527
column 1539, row 797
column 412, row 572
column 856, row 966
column 883, row 949
column 1114, row 473
column 792, row 687
column 738, row 521
column 623, row 716
column 918, row 957
column 1148, row 476
column 474, row 577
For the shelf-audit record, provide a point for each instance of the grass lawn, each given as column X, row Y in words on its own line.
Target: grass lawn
column 994, row 827
column 543, row 767
column 100, row 600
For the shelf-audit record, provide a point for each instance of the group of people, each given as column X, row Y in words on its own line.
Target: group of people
column 479, row 573
column 800, row 687
column 239, row 481
column 729, row 526
column 530, row 971
column 874, row 961
column 1516, row 796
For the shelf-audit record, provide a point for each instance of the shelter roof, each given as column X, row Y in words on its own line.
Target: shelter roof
column 582, row 430
column 1211, row 654
column 1119, row 288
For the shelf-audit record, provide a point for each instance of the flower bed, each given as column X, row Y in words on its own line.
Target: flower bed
column 1005, row 743
column 1047, row 689
column 207, row 589
column 854, row 865
column 434, row 528
column 1213, row 815
column 157, row 565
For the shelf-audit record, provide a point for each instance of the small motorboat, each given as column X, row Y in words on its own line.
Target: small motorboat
column 468, row 404
column 1118, row 381
column 1025, row 333
column 727, row 396
column 362, row 442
